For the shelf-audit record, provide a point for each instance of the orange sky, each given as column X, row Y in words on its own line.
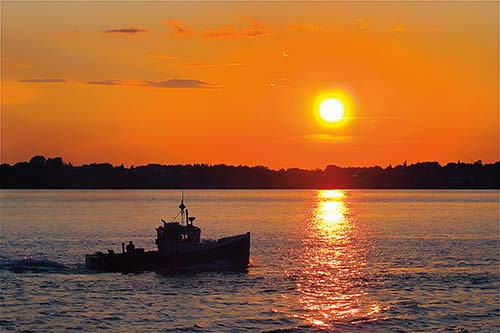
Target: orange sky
column 236, row 83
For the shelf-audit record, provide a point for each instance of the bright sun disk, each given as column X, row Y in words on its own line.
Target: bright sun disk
column 331, row 110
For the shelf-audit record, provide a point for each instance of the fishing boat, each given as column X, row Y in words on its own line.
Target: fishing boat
column 179, row 247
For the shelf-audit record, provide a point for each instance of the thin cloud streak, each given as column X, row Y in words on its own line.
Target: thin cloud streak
column 43, row 81
column 203, row 65
column 303, row 27
column 107, row 82
column 182, row 83
column 179, row 29
column 362, row 24
column 171, row 83
column 329, row 138
column 125, row 31
column 279, row 83
column 255, row 28
column 222, row 32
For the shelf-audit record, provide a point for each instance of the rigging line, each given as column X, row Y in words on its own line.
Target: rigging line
column 176, row 216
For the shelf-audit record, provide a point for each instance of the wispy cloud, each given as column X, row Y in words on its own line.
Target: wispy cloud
column 161, row 56
column 43, row 80
column 279, row 83
column 130, row 31
column 398, row 28
column 223, row 32
column 107, row 82
column 113, row 82
column 179, row 29
column 362, row 24
column 203, row 65
column 172, row 83
column 183, row 83
column 303, row 27
column 329, row 138
column 255, row 28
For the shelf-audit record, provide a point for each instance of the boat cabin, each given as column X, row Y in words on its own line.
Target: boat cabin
column 172, row 237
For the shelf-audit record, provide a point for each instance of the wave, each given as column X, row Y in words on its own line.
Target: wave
column 28, row 264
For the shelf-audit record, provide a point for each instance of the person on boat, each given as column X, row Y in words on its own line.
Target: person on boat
column 130, row 247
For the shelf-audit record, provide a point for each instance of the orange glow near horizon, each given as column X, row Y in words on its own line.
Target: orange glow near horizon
column 149, row 82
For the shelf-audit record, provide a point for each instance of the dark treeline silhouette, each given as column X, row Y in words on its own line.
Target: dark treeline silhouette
column 41, row 172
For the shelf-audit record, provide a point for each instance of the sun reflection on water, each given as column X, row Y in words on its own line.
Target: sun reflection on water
column 331, row 281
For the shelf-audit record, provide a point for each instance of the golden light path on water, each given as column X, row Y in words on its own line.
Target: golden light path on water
column 331, row 283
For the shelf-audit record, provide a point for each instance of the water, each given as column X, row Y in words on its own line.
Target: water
column 374, row 261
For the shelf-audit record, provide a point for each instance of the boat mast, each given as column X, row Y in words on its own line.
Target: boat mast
column 182, row 207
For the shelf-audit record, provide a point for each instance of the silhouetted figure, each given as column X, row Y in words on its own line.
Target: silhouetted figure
column 130, row 247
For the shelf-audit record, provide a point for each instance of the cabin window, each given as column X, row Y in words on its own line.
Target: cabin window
column 186, row 238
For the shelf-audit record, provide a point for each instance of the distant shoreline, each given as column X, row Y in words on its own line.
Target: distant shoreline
column 252, row 189
column 54, row 173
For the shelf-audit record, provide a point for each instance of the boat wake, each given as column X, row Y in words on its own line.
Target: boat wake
column 29, row 264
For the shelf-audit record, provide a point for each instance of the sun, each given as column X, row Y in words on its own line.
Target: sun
column 334, row 108
column 331, row 110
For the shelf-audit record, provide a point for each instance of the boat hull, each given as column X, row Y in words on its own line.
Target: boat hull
column 226, row 253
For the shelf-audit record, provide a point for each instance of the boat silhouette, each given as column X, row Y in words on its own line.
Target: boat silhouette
column 179, row 247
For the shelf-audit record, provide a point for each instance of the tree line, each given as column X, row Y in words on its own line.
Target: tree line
column 54, row 173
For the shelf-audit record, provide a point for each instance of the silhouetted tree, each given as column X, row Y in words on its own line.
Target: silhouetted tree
column 38, row 162
column 40, row 172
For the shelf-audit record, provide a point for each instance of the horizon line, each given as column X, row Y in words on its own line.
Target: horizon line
column 130, row 166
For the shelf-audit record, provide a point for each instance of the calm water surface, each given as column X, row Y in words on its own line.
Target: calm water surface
column 342, row 261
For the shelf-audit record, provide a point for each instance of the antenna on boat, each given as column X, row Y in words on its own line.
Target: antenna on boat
column 182, row 206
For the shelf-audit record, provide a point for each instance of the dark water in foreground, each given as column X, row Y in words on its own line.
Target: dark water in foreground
column 372, row 261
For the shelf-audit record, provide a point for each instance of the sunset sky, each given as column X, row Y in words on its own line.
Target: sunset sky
column 238, row 83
